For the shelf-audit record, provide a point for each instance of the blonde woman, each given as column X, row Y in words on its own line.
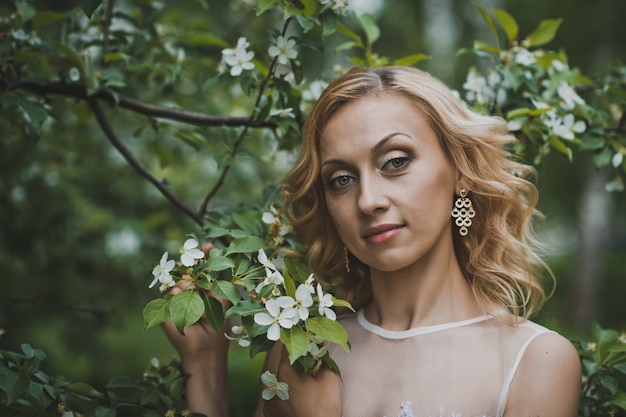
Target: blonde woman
column 410, row 207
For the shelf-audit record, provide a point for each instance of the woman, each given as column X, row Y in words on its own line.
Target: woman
column 409, row 206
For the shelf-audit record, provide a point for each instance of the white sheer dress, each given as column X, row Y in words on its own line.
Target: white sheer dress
column 460, row 369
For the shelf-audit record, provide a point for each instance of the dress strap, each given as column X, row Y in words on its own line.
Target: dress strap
column 504, row 393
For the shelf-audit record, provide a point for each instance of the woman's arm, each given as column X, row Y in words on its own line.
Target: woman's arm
column 309, row 396
column 204, row 356
column 548, row 380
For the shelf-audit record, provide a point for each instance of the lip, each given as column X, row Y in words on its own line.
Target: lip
column 382, row 233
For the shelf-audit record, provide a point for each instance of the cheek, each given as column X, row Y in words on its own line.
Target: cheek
column 339, row 216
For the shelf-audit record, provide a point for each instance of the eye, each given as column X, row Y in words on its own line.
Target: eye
column 395, row 164
column 340, row 181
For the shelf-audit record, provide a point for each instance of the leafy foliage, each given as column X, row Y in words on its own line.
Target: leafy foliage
column 26, row 390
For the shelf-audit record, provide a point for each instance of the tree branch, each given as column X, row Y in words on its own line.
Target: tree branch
column 80, row 92
column 134, row 162
column 50, row 306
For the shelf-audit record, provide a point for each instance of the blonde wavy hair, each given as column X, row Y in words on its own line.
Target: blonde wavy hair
column 498, row 256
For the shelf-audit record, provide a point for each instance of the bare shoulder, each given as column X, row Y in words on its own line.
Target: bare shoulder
column 547, row 381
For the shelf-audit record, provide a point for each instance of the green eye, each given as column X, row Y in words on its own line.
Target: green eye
column 396, row 163
column 340, row 181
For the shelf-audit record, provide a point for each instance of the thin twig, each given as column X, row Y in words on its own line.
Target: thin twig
column 106, row 24
column 220, row 181
column 135, row 163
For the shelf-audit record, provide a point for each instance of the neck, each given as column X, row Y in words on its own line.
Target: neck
column 424, row 294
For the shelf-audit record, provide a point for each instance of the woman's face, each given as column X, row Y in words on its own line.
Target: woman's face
column 387, row 182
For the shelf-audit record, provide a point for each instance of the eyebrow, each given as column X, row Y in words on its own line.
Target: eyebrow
column 374, row 149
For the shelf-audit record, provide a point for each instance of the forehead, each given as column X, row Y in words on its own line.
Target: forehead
column 367, row 120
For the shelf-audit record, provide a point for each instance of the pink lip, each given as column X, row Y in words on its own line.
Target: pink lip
column 382, row 233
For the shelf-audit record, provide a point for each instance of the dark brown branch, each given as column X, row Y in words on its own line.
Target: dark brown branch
column 80, row 92
column 52, row 306
column 138, row 166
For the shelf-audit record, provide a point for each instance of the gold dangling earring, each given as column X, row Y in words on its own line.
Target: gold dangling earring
column 345, row 259
column 463, row 212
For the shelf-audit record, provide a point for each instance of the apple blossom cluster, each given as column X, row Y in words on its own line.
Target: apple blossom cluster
column 239, row 59
column 340, row 7
column 189, row 253
column 550, row 99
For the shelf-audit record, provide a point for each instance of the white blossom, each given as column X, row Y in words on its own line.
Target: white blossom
column 326, row 301
column 617, row 159
column 281, row 314
column 240, row 335
column 337, row 6
column 273, row 387
column 568, row 96
column 303, row 301
column 568, row 126
column 272, row 275
column 189, row 252
column 162, row 274
column 283, row 49
column 525, row 58
column 314, row 91
column 239, row 58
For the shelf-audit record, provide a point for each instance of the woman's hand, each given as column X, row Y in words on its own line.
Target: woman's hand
column 309, row 396
column 204, row 357
column 200, row 338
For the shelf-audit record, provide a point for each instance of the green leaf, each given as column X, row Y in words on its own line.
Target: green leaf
column 344, row 30
column 205, row 39
column 36, row 113
column 166, row 157
column 226, row 289
column 245, row 308
column 219, row 263
column 609, row 383
column 265, row 5
column 47, row 18
column 245, row 244
column 619, row 400
column 260, row 344
column 295, row 341
column 155, row 312
column 509, row 25
column 372, row 32
column 544, row 33
column 411, row 59
column 557, row 144
column 337, row 302
column 346, row 45
column 69, row 53
column 214, row 312
column 89, row 6
column 489, row 20
column 297, row 267
column 482, row 46
column 248, row 220
column 186, row 308
column 13, row 384
column 290, row 286
column 329, row 330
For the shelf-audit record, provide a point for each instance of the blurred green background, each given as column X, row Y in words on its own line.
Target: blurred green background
column 80, row 230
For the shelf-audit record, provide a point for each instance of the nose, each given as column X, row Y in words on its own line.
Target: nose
column 372, row 196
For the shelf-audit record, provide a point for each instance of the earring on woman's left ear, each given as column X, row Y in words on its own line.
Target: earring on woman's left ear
column 463, row 212
column 346, row 260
